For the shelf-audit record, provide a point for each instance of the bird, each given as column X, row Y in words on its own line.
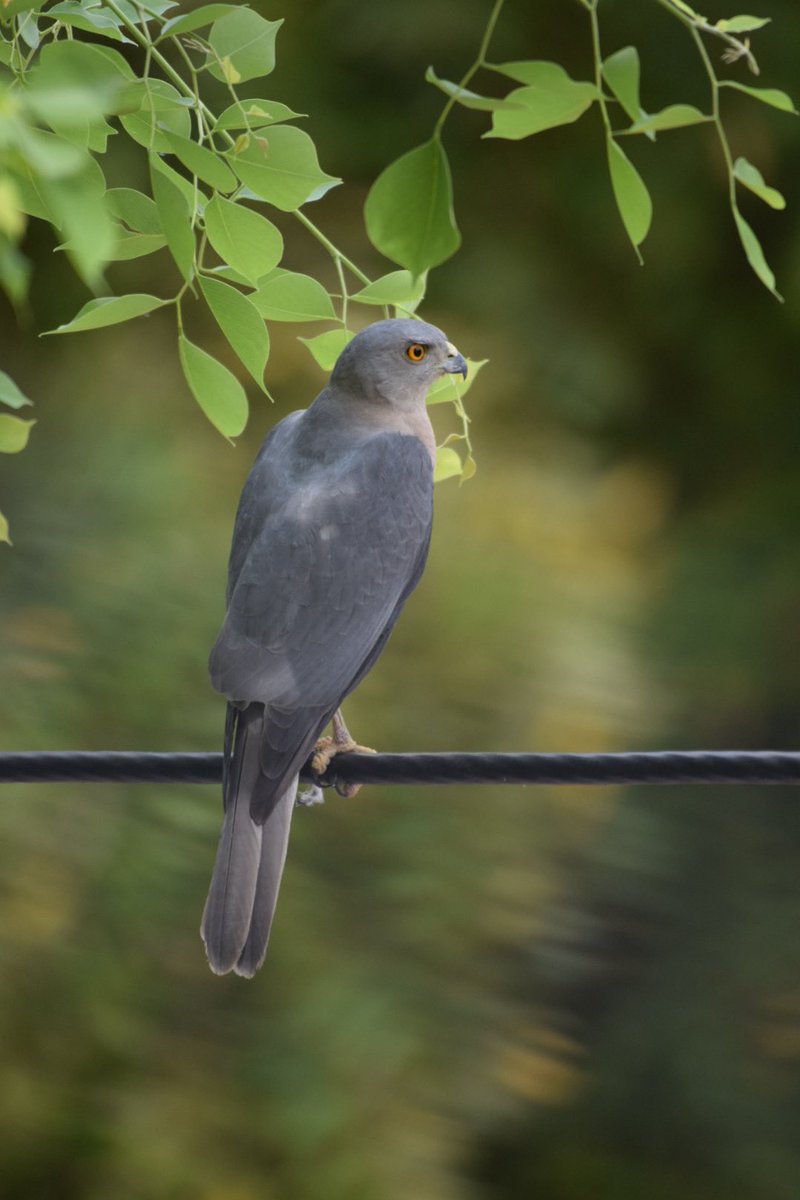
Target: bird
column 331, row 537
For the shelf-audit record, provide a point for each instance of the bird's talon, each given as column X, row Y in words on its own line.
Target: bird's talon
column 324, row 751
column 347, row 790
column 355, row 748
column 348, row 746
column 327, row 748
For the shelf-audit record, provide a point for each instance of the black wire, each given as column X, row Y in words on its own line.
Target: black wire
column 662, row 767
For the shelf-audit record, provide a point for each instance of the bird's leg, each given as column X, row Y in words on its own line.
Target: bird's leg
column 327, row 748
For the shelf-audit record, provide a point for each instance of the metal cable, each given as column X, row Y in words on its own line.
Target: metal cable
column 661, row 767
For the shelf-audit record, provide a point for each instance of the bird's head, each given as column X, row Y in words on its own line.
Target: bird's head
column 396, row 361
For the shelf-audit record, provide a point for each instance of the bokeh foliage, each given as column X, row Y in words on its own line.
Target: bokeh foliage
column 492, row 992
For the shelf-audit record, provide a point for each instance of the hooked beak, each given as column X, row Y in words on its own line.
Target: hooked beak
column 455, row 363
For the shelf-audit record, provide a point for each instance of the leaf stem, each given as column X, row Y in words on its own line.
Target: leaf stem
column 701, row 25
column 203, row 130
column 334, row 252
column 187, row 90
column 591, row 5
column 337, row 262
column 720, row 128
column 147, row 44
column 479, row 62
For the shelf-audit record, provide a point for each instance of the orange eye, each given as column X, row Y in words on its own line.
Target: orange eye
column 416, row 351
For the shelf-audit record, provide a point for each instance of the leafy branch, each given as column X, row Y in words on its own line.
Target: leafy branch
column 725, row 30
column 739, row 171
column 213, row 178
column 549, row 98
column 216, row 173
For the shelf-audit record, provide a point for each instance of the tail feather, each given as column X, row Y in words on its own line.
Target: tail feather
column 249, row 863
column 273, row 856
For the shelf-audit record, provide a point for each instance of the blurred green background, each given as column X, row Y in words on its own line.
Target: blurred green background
column 481, row 993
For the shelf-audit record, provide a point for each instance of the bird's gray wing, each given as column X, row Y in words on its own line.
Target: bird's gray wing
column 263, row 493
column 318, row 588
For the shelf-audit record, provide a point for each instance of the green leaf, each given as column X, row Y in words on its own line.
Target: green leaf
column 326, row 347
column 751, row 178
column 158, row 107
column 550, row 98
column 73, row 67
column 71, row 88
column 135, row 209
column 226, row 272
column 447, row 465
column 98, row 68
column 409, row 210
column 30, row 198
column 218, row 392
column 532, row 72
column 78, row 202
column 282, row 168
column 448, row 388
column 48, row 155
column 203, row 163
column 173, row 213
column 110, row 310
column 10, row 393
column 14, row 7
column 469, row 468
column 91, row 136
column 229, row 73
column 621, row 72
column 253, row 114
column 742, row 24
column 12, row 213
column 76, row 16
column 771, row 96
column 465, row 97
column 4, row 531
column 241, row 322
column 14, row 433
column 140, row 11
column 136, row 245
column 116, row 61
column 188, row 188
column 675, row 116
column 630, row 193
column 73, row 85
column 247, row 41
column 198, row 18
column 289, row 296
column 242, row 238
column 755, row 255
column 15, row 273
column 29, row 31
column 398, row 288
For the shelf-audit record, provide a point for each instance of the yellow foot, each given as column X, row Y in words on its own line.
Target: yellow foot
column 327, row 748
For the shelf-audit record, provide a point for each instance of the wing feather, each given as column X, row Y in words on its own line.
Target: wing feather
column 323, row 559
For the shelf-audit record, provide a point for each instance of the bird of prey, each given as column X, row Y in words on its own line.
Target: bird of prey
column 330, row 539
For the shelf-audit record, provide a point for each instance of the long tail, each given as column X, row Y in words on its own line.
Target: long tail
column 247, row 872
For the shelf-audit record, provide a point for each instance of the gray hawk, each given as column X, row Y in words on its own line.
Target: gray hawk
column 330, row 539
